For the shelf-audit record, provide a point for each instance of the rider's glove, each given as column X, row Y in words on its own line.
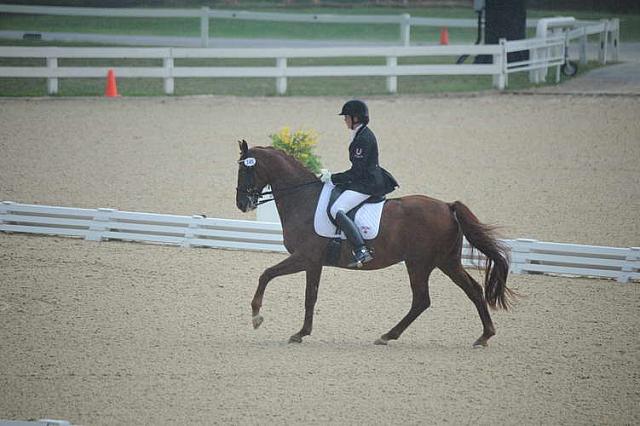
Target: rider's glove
column 325, row 175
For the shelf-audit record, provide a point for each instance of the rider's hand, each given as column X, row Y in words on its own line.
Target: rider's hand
column 325, row 175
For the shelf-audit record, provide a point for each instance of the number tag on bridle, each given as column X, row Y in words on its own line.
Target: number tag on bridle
column 249, row 162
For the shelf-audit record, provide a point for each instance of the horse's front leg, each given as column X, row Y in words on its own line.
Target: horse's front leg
column 311, row 295
column 291, row 265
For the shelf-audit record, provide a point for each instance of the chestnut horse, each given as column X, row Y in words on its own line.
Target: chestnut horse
column 423, row 232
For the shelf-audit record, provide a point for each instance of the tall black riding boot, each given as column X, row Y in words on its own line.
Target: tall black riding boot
column 361, row 253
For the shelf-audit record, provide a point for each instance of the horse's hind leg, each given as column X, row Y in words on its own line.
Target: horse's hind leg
column 419, row 278
column 473, row 290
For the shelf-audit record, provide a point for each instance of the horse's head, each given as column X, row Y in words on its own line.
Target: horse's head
column 250, row 182
column 262, row 166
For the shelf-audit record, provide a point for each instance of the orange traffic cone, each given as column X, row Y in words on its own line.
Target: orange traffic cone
column 444, row 36
column 111, row 90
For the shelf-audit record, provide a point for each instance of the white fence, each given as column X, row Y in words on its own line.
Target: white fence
column 205, row 14
column 528, row 256
column 608, row 31
column 281, row 71
column 544, row 52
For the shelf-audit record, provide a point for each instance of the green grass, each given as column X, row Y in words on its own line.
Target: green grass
column 228, row 28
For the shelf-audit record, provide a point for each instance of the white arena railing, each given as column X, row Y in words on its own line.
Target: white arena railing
column 281, row 70
column 545, row 52
column 527, row 256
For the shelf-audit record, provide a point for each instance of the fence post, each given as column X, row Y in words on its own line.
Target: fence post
column 500, row 61
column 190, row 232
column 631, row 262
column 583, row 46
column 99, row 224
column 281, row 81
column 564, row 51
column 52, row 82
column 267, row 212
column 607, row 28
column 392, row 80
column 519, row 254
column 204, row 26
column 169, row 84
column 405, row 29
column 615, row 38
column 4, row 209
column 602, row 52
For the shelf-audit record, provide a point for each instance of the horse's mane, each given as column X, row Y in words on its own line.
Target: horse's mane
column 290, row 160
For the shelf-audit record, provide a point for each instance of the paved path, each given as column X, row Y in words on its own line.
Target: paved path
column 621, row 78
column 618, row 79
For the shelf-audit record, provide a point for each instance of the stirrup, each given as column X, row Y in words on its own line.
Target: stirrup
column 362, row 256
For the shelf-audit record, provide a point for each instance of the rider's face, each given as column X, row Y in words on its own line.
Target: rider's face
column 350, row 122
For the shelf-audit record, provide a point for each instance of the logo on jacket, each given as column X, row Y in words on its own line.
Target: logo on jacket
column 365, row 229
column 358, row 153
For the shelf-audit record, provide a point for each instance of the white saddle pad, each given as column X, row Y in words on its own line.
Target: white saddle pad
column 367, row 218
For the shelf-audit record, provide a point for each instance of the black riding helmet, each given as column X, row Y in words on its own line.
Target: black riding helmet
column 356, row 108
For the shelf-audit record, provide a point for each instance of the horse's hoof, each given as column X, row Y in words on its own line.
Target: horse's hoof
column 381, row 342
column 257, row 321
column 480, row 343
column 296, row 338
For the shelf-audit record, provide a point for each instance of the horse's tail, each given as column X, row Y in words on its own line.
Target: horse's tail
column 483, row 237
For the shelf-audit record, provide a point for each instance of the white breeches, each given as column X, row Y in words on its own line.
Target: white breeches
column 347, row 200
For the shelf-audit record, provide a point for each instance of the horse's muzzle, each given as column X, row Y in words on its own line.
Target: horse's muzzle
column 247, row 203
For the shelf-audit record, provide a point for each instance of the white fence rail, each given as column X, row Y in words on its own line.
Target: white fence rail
column 608, row 30
column 281, row 70
column 205, row 14
column 528, row 256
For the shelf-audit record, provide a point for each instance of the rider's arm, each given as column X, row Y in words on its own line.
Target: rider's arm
column 340, row 178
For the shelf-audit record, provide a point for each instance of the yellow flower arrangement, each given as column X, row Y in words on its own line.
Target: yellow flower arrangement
column 299, row 145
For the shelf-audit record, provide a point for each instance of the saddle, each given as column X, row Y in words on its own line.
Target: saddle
column 336, row 192
column 335, row 245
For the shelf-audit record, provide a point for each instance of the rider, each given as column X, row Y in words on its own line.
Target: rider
column 364, row 179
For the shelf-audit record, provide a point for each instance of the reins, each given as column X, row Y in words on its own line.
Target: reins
column 254, row 192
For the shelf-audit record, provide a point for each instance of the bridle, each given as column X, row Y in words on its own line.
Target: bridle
column 253, row 193
column 250, row 189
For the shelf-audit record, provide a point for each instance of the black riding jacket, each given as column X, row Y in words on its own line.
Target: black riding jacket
column 365, row 175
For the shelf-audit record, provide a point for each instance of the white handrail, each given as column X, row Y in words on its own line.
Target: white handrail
column 622, row 264
column 545, row 52
column 557, row 25
column 281, row 70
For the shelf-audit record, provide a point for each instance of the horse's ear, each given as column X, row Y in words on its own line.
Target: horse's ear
column 244, row 148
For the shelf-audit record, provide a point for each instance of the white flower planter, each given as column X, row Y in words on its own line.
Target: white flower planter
column 267, row 212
